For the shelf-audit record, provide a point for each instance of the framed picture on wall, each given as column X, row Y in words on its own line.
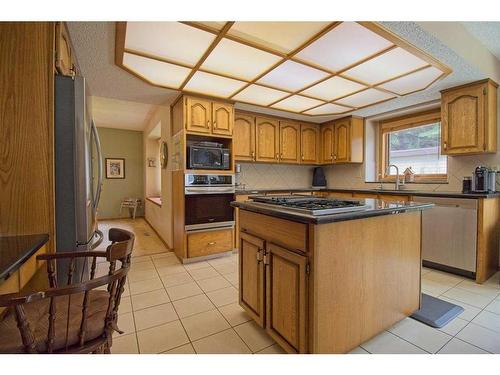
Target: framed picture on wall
column 115, row 168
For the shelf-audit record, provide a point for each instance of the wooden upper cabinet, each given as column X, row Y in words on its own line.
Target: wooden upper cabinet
column 342, row 141
column 327, row 143
column 289, row 142
column 252, row 276
column 198, row 115
column 286, row 292
column 309, row 139
column 64, row 61
column 266, row 140
column 468, row 119
column 222, row 118
column 244, row 137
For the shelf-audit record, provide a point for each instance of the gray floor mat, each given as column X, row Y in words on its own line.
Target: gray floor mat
column 435, row 312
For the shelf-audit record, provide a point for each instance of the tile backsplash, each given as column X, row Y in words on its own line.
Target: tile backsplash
column 274, row 176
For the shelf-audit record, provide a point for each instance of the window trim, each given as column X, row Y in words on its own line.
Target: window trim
column 409, row 121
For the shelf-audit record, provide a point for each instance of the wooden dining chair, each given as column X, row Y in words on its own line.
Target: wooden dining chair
column 78, row 317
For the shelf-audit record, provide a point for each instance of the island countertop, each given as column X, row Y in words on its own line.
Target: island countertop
column 376, row 207
column 16, row 250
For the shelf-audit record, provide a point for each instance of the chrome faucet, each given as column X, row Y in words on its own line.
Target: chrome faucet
column 397, row 173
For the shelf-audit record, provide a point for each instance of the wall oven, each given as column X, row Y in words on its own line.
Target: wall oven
column 208, row 201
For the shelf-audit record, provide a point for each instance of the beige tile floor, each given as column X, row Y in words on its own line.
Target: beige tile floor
column 173, row 308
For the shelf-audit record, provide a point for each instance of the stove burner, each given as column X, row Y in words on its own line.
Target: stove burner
column 312, row 206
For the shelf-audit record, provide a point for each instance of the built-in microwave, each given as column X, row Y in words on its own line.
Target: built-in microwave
column 208, row 155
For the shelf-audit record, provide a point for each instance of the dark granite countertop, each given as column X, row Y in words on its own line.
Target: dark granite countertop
column 377, row 208
column 15, row 250
column 422, row 193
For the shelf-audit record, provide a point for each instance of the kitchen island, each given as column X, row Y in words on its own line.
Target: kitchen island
column 327, row 283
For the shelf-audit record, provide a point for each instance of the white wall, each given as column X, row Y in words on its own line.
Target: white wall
column 160, row 218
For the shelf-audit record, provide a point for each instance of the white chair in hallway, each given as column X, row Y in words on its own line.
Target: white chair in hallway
column 132, row 204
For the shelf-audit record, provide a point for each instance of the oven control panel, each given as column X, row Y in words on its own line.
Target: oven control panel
column 209, row 180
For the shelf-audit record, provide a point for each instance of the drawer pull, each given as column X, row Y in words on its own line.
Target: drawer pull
column 212, row 243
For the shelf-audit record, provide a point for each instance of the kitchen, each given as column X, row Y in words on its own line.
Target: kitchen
column 312, row 202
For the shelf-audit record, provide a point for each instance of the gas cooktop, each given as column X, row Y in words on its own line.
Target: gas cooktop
column 311, row 205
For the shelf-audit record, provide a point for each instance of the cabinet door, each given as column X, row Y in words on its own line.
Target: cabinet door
column 222, row 119
column 198, row 115
column 463, row 121
column 267, row 140
column 309, row 143
column 64, row 56
column 251, row 270
column 289, row 142
column 342, row 142
column 286, row 291
column 244, row 137
column 326, row 152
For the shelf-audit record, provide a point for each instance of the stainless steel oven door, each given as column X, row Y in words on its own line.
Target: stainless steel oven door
column 208, row 210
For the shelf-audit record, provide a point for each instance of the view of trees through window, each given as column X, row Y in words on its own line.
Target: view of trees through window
column 419, row 148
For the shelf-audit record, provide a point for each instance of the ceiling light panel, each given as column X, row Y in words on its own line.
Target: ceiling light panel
column 363, row 98
column 238, row 60
column 292, row 76
column 332, row 88
column 386, row 66
column 282, row 37
column 157, row 72
column 328, row 109
column 413, row 82
column 347, row 44
column 168, row 40
column 259, row 95
column 297, row 103
column 211, row 84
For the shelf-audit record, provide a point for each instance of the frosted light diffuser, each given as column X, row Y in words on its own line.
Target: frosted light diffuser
column 328, row 109
column 413, row 82
column 363, row 98
column 157, row 72
column 297, row 103
column 259, row 95
column 333, row 88
column 311, row 68
column 211, row 84
column 169, row 40
column 292, row 76
column 386, row 66
column 238, row 60
column 279, row 36
column 346, row 44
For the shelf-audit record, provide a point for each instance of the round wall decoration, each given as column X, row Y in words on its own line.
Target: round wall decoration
column 164, row 155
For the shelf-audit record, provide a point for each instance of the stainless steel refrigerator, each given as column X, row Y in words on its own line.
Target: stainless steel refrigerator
column 77, row 192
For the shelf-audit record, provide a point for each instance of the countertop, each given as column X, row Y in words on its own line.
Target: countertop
column 15, row 250
column 422, row 193
column 377, row 208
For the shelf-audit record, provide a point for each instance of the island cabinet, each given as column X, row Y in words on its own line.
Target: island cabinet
column 342, row 141
column 310, row 142
column 203, row 116
column 469, row 119
column 322, row 287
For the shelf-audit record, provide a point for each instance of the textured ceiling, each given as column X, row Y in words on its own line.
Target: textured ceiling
column 120, row 114
column 488, row 33
column 94, row 45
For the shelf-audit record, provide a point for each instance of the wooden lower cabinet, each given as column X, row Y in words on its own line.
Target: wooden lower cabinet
column 209, row 242
column 273, row 290
column 286, row 298
column 251, row 267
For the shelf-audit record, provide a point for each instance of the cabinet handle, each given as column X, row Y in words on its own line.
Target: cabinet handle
column 302, row 157
column 253, row 155
column 208, row 123
column 445, row 145
column 211, row 243
column 215, row 124
column 259, row 256
column 277, row 156
column 334, row 157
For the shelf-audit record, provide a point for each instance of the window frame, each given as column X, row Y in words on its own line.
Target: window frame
column 401, row 123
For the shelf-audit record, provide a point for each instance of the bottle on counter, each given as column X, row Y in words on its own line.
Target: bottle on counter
column 467, row 184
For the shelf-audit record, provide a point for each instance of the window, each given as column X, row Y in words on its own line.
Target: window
column 412, row 142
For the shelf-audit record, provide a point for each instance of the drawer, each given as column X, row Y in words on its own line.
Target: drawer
column 394, row 198
column 285, row 233
column 339, row 195
column 29, row 268
column 364, row 195
column 209, row 242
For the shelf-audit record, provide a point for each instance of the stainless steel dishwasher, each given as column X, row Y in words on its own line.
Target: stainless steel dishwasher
column 449, row 235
